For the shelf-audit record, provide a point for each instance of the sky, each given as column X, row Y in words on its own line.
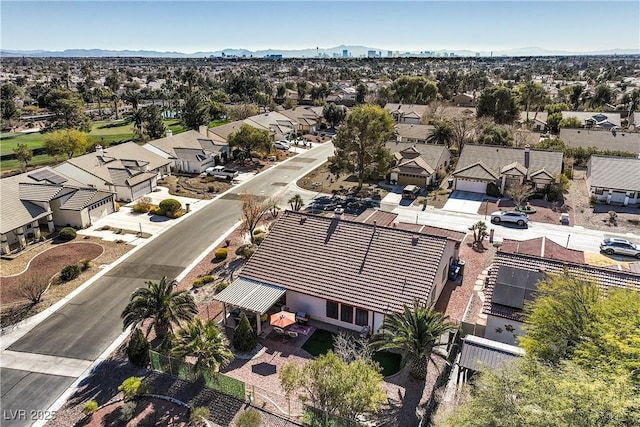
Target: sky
column 208, row 26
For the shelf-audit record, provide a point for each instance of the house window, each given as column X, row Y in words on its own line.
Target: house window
column 599, row 190
column 346, row 313
column 332, row 309
column 362, row 317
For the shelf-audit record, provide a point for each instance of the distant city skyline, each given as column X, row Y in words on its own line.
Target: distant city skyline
column 415, row 26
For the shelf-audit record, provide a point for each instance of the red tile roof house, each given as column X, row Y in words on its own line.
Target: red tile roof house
column 513, row 280
column 342, row 272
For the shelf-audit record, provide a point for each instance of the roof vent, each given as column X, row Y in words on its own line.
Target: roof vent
column 303, row 220
column 338, row 212
column 415, row 239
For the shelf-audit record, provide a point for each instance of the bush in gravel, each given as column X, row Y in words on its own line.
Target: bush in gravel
column 244, row 339
column 221, row 253
column 70, row 272
column 249, row 418
column 127, row 411
column 198, row 283
column 67, row 234
column 246, row 250
column 90, row 407
column 258, row 239
column 493, row 190
column 132, row 388
column 85, row 264
column 222, row 286
column 169, row 207
column 199, row 415
column 138, row 349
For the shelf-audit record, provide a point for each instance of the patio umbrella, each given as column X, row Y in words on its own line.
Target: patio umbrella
column 283, row 319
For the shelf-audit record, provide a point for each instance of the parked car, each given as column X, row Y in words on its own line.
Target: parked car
column 222, row 172
column 620, row 247
column 282, row 145
column 509, row 216
column 410, row 191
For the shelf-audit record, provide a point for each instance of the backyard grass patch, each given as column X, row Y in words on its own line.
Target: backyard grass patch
column 320, row 342
column 389, row 362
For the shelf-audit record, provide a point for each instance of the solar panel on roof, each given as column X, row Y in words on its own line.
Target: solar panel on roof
column 56, row 179
column 39, row 175
column 515, row 285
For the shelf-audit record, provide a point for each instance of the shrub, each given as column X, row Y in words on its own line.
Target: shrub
column 140, row 208
column 169, row 206
column 138, row 349
column 493, row 190
column 246, row 250
column 199, row 415
column 131, row 388
column 258, row 231
column 70, row 272
column 90, row 407
column 67, row 234
column 85, row 264
column 250, row 418
column 258, row 239
column 222, row 286
column 244, row 339
column 127, row 411
column 443, row 192
column 116, row 206
column 198, row 283
column 221, row 253
column 212, row 189
column 174, row 215
column 105, row 228
column 154, row 210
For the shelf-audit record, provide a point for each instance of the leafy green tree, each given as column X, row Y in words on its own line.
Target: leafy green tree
column 361, row 93
column 570, row 122
column 531, row 95
column 334, row 114
column 575, row 95
column 68, row 108
column 494, row 134
column 199, row 415
column 360, row 143
column 241, row 111
column 479, row 233
column 416, row 331
column 112, row 81
column 23, row 154
column 244, row 337
column 554, row 115
column 8, row 109
column 248, row 139
column 499, row 104
column 336, row 387
column 302, row 89
column 195, row 112
column 160, row 305
column 414, row 90
column 205, row 342
column 556, row 320
column 250, row 418
column 155, row 128
column 602, row 96
column 138, row 349
column 66, row 142
column 296, row 202
column 442, row 133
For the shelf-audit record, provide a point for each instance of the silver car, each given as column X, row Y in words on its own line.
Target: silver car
column 509, row 216
column 620, row 247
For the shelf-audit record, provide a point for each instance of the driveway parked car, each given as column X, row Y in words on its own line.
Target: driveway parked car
column 620, row 247
column 509, row 216
column 282, row 145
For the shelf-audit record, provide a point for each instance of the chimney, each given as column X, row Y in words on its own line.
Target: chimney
column 527, row 153
column 414, row 239
column 99, row 151
column 337, row 213
column 203, row 130
column 169, row 133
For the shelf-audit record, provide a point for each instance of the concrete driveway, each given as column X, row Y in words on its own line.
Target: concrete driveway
column 464, row 201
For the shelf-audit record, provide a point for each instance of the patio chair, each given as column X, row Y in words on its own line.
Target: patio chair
column 292, row 334
column 278, row 330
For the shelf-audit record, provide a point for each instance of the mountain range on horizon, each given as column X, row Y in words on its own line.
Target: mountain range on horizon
column 354, row 52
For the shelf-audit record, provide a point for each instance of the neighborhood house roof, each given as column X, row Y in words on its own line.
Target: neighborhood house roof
column 543, row 247
column 628, row 142
column 432, row 154
column 388, row 219
column 188, row 140
column 251, row 295
column 618, row 173
column 411, row 131
column 480, row 353
column 372, row 267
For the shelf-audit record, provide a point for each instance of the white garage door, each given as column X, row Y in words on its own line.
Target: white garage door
column 145, row 189
column 617, row 197
column 472, row 186
column 100, row 212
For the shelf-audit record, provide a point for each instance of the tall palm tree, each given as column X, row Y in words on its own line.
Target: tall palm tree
column 442, row 133
column 416, row 331
column 204, row 341
column 160, row 304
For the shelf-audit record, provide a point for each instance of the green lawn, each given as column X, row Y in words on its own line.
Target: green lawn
column 218, row 122
column 321, row 341
column 9, row 141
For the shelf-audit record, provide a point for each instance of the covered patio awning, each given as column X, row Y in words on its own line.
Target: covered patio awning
column 250, row 295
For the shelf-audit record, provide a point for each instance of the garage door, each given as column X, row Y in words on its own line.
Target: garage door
column 617, row 197
column 472, row 186
column 145, row 189
column 100, row 212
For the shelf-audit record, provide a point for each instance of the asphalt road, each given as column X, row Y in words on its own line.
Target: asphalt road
column 86, row 326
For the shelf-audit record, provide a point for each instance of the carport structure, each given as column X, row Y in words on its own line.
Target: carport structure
column 250, row 295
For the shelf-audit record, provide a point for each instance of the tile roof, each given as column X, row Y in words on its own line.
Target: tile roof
column 409, row 131
column 613, row 118
column 543, row 247
column 191, row 154
column 432, row 154
column 373, row 267
column 191, row 139
column 619, row 173
column 388, row 219
column 83, row 198
column 476, row 170
column 495, row 157
column 125, row 154
column 628, row 142
column 38, row 192
column 417, row 166
column 605, row 278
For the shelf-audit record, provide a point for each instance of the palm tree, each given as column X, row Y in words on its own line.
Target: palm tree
column 204, row 341
column 159, row 303
column 416, row 331
column 442, row 133
column 296, row 202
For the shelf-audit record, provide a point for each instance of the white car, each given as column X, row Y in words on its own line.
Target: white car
column 509, row 216
column 282, row 145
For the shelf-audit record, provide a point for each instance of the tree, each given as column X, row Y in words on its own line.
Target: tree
column 33, row 287
column 570, row 122
column 554, row 115
column 414, row 90
column 244, row 337
column 531, row 95
column 442, row 133
column 112, row 81
column 519, row 193
column 334, row 114
column 479, row 233
column 336, row 387
column 254, row 209
column 205, row 342
column 154, row 125
column 159, row 304
column 250, row 418
column 559, row 187
column 66, row 142
column 575, row 95
column 494, row 134
column 348, row 348
column 360, row 143
column 199, row 415
column 138, row 349
column 249, row 139
column 24, row 154
column 361, row 93
column 499, row 104
column 195, row 112
column 416, row 331
column 556, row 320
column 302, row 89
column 8, row 109
column 296, row 202
column 241, row 111
column 602, row 96
column 68, row 108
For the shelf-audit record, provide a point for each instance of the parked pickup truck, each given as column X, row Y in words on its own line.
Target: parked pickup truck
column 221, row 172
